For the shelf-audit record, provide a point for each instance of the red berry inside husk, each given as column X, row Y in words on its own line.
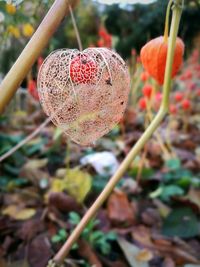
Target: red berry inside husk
column 83, row 69
column 154, row 55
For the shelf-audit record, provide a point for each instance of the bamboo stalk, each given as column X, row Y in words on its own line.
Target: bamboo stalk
column 33, row 49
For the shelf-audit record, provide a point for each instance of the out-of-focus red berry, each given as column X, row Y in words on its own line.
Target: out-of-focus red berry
column 186, row 105
column 144, row 76
column 105, row 38
column 198, row 92
column 187, row 75
column 32, row 88
column 39, row 62
column 147, row 90
column 178, row 96
column 100, row 43
column 173, row 109
column 158, row 97
column 191, row 86
column 102, row 32
column 157, row 100
column 197, row 67
column 108, row 40
column 133, row 52
column 142, row 103
column 138, row 59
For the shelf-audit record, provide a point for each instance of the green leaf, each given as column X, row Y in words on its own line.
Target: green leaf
column 75, row 246
column 95, row 236
column 173, row 164
column 111, row 236
column 146, row 173
column 105, row 248
column 181, row 222
column 11, row 169
column 62, row 233
column 74, row 218
column 191, row 265
column 92, row 224
column 56, row 239
column 171, row 190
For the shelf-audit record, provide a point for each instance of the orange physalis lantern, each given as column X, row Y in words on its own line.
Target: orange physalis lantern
column 154, row 55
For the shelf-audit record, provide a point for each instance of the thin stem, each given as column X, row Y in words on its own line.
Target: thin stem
column 62, row 253
column 177, row 10
column 76, row 29
column 25, row 140
column 166, row 32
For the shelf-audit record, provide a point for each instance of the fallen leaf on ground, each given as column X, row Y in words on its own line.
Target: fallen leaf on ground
column 168, row 262
column 131, row 251
column 142, row 236
column 120, row 211
column 87, row 252
column 39, row 251
column 181, row 222
column 18, row 213
column 193, row 197
column 63, row 202
column 30, row 229
column 76, row 182
column 36, row 163
column 23, row 263
column 144, row 255
column 3, row 263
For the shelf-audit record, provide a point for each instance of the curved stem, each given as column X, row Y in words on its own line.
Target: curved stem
column 62, row 253
column 166, row 32
column 177, row 11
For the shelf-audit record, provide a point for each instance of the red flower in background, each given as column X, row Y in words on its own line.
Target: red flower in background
column 32, row 88
column 105, row 39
